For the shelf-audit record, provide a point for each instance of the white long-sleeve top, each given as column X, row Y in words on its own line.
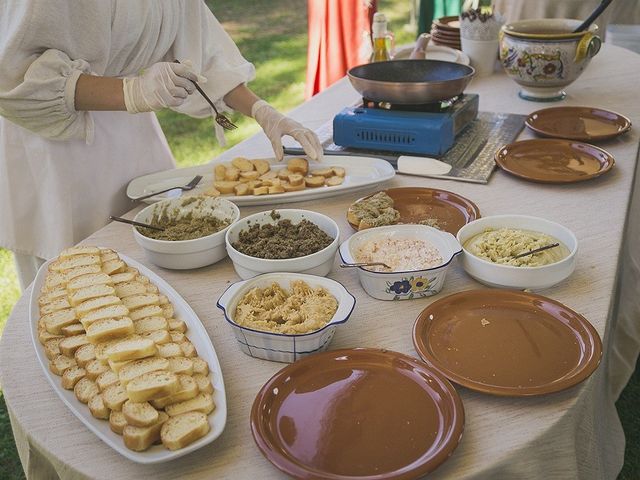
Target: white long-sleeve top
column 62, row 172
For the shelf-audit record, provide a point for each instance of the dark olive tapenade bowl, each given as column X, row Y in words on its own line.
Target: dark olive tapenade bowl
column 318, row 263
column 187, row 254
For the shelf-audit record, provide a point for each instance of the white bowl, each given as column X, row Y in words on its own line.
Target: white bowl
column 318, row 263
column 281, row 347
column 403, row 285
column 509, row 276
column 187, row 254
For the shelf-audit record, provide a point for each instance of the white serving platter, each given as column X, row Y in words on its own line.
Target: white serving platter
column 196, row 334
column 362, row 172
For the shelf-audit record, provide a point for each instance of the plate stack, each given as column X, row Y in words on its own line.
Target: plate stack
column 445, row 31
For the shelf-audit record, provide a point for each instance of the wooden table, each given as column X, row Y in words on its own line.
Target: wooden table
column 575, row 433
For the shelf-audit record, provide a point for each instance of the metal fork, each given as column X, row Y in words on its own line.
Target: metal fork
column 189, row 186
column 221, row 120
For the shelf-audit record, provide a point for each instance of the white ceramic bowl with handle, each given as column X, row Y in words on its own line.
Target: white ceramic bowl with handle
column 509, row 276
column 279, row 347
column 403, row 285
column 187, row 254
column 318, row 263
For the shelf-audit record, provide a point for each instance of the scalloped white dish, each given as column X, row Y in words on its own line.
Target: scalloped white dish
column 196, row 334
column 362, row 172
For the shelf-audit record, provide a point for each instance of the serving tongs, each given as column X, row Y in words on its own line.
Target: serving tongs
column 189, row 186
column 220, row 119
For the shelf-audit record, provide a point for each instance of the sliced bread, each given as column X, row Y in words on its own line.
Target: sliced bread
column 114, row 396
column 203, row 382
column 113, row 266
column 152, row 385
column 188, row 350
column 200, row 366
column 203, row 402
column 177, row 325
column 127, row 289
column 73, row 329
column 106, row 379
column 181, row 365
column 117, row 422
column 148, row 311
column 141, row 438
column 85, row 390
column 85, row 354
column 55, row 305
column 79, row 250
column 131, row 349
column 140, row 367
column 159, row 337
column 87, row 293
column 88, row 280
column 123, row 277
column 64, row 264
column 95, row 368
column 98, row 409
column 113, row 311
column 55, row 321
column 74, row 273
column 69, row 345
column 149, row 324
column 52, row 347
column 71, row 376
column 60, row 363
column 109, row 328
column 188, row 390
column 169, row 350
column 95, row 303
column 139, row 414
column 182, row 430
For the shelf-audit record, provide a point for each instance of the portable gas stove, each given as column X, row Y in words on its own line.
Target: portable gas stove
column 428, row 129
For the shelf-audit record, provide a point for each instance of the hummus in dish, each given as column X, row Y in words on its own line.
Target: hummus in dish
column 400, row 254
column 501, row 245
column 303, row 309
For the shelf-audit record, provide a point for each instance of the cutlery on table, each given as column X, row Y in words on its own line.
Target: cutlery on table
column 364, row 264
column 189, row 186
column 536, row 250
column 137, row 224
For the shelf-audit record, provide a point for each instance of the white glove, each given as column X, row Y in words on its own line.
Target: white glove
column 276, row 125
column 160, row 86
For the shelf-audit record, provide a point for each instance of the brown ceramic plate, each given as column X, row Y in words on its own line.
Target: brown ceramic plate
column 548, row 160
column 415, row 204
column 451, row 23
column 443, row 34
column 507, row 342
column 357, row 413
column 578, row 123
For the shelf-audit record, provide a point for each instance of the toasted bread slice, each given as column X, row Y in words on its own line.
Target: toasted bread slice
column 117, row 366
column 73, row 329
column 298, row 165
column 108, row 256
column 231, row 174
column 114, row 396
column 85, row 390
column 113, row 266
column 150, row 324
column 293, row 188
column 219, row 171
column 142, row 279
column 188, row 390
column 242, row 164
column 45, row 336
column 53, row 281
column 181, row 365
column 159, row 337
column 131, row 349
column 55, row 321
column 55, row 305
column 334, row 181
column 188, row 350
column 60, row 363
column 151, row 288
column 64, row 264
column 109, row 328
column 85, row 354
column 152, row 385
column 275, row 189
column 203, row 382
column 226, row 186
column 148, row 311
column 261, row 166
column 314, row 181
column 203, row 402
column 141, row 438
column 88, row 280
column 117, row 422
column 177, row 325
column 87, row 293
column 140, row 367
column 339, row 171
column 80, row 271
column 96, row 303
column 124, row 277
column 106, row 379
column 169, row 350
column 95, row 368
column 48, row 297
column 182, row 430
column 322, row 172
column 98, row 409
column 200, row 366
column 139, row 301
column 112, row 311
column 52, row 347
column 69, row 345
column 101, row 348
column 71, row 376
column 295, row 179
column 177, row 337
column 127, row 289
column 79, row 250
column 139, row 414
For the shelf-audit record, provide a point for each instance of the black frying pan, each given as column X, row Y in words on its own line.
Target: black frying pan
column 410, row 81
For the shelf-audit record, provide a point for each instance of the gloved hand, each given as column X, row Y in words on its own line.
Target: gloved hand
column 276, row 125
column 162, row 85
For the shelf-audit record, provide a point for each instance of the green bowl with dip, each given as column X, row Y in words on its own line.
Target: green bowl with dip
column 519, row 274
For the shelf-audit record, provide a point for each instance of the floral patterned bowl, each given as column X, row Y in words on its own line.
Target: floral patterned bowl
column 403, row 285
column 544, row 56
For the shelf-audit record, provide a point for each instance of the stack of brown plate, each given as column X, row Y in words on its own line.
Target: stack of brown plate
column 445, row 31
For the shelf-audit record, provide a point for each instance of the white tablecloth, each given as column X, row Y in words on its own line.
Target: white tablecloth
column 571, row 434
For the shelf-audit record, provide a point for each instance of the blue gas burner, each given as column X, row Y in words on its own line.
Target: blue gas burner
column 418, row 129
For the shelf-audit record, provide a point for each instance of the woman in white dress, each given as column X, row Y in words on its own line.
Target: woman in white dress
column 78, row 84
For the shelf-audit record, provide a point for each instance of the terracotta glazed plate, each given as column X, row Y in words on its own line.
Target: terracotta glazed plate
column 548, row 160
column 578, row 123
column 507, row 342
column 416, row 204
column 357, row 413
column 451, row 23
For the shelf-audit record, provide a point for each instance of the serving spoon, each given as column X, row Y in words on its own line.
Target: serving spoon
column 364, row 264
column 536, row 250
column 595, row 14
column 132, row 222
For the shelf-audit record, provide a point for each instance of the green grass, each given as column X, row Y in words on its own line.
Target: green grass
column 273, row 35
